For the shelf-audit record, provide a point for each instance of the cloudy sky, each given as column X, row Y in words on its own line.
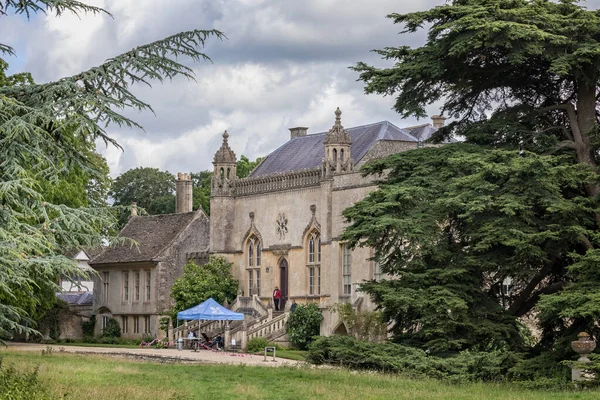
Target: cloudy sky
column 285, row 64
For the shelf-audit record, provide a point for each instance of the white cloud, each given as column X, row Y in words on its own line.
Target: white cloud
column 285, row 64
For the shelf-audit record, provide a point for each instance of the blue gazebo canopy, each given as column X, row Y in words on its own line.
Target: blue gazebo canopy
column 210, row 310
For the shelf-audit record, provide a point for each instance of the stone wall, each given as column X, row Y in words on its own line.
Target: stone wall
column 301, row 210
column 192, row 240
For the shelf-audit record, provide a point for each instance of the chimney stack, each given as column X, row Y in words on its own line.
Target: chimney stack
column 134, row 209
column 438, row 121
column 183, row 193
column 298, row 132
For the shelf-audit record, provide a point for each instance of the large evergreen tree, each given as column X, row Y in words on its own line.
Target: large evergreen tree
column 533, row 65
column 518, row 74
column 472, row 238
column 42, row 127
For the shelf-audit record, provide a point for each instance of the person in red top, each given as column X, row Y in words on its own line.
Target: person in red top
column 276, row 297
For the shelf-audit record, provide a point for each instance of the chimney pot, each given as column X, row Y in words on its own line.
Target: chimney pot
column 183, row 193
column 298, row 132
column 134, row 209
column 438, row 121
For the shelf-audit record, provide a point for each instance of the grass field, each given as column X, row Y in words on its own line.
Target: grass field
column 99, row 377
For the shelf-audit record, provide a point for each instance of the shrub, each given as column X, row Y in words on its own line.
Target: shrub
column 88, row 327
column 304, row 324
column 112, row 330
column 18, row 385
column 394, row 358
column 256, row 344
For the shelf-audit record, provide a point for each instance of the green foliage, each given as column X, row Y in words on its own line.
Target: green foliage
column 43, row 128
column 112, row 329
column 304, row 324
column 144, row 186
column 200, row 282
column 165, row 323
column 363, row 325
column 51, row 321
column 452, row 223
column 21, row 385
column 256, row 345
column 532, row 66
column 201, row 182
column 88, row 327
column 244, row 166
column 394, row 358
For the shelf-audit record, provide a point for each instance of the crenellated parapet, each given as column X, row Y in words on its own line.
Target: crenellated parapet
column 281, row 181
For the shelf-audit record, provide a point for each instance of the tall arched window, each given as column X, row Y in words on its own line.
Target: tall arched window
column 342, row 155
column 254, row 250
column 251, row 253
column 258, row 254
column 314, row 263
column 334, row 155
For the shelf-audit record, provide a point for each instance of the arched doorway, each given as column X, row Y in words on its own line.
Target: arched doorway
column 283, row 282
column 104, row 314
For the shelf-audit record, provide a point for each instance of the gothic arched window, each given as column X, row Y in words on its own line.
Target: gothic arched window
column 251, row 253
column 254, row 250
column 342, row 155
column 258, row 254
column 314, row 263
column 334, row 155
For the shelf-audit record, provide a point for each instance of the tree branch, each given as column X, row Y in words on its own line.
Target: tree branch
column 572, row 114
column 526, row 306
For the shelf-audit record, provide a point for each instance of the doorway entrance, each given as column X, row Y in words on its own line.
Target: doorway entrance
column 283, row 282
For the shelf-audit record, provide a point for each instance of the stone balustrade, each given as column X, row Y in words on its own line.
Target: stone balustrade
column 265, row 329
column 275, row 182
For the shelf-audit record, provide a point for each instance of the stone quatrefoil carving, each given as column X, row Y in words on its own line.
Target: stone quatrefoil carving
column 282, row 226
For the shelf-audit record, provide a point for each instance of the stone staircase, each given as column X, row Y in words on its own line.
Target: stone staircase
column 259, row 321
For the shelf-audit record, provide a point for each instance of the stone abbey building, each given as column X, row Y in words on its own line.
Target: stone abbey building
column 281, row 226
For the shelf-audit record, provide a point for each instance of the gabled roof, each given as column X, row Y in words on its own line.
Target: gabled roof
column 152, row 233
column 307, row 151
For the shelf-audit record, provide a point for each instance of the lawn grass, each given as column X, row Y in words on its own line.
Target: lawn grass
column 101, row 377
column 84, row 344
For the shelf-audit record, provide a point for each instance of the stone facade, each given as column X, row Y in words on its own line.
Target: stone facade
column 282, row 228
column 133, row 285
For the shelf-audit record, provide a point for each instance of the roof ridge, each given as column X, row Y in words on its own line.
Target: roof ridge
column 418, row 126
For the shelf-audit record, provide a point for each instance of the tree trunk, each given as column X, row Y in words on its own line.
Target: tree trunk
column 586, row 122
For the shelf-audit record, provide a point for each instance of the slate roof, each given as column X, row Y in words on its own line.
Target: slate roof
column 307, row 151
column 78, row 299
column 152, row 233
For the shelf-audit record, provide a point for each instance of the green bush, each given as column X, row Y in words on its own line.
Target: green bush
column 304, row 324
column 18, row 385
column 258, row 344
column 394, row 358
column 112, row 330
column 88, row 327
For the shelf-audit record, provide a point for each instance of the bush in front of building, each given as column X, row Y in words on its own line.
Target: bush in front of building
column 88, row 327
column 112, row 330
column 304, row 324
column 258, row 344
column 391, row 357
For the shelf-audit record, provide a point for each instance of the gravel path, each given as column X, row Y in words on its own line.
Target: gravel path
column 163, row 355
